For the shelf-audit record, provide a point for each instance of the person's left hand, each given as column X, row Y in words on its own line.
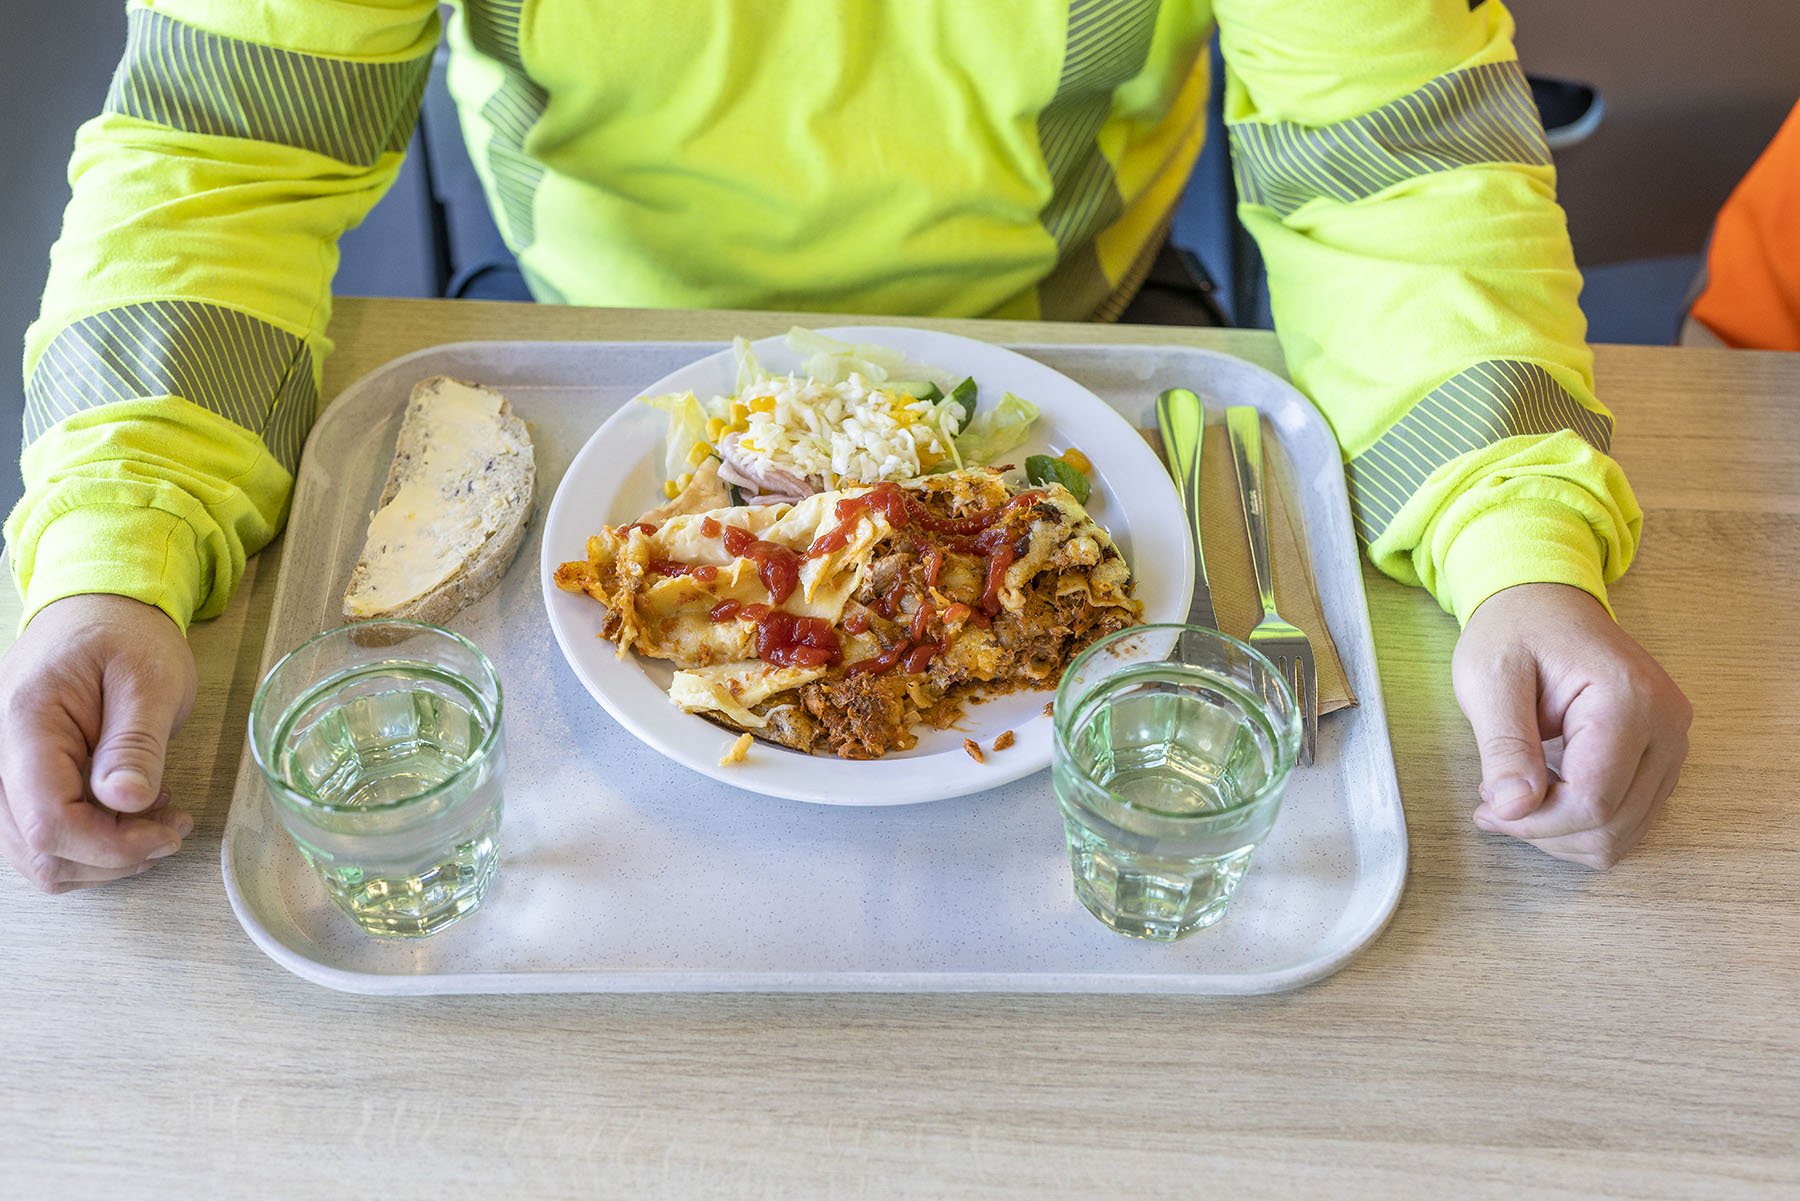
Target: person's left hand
column 1541, row 660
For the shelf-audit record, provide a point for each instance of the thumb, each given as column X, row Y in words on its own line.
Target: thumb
column 136, row 719
column 1502, row 708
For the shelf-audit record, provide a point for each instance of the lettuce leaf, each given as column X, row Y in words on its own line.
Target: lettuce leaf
column 832, row 362
column 748, row 369
column 687, row 427
column 996, row 431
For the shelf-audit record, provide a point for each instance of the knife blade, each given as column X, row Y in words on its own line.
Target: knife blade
column 1181, row 419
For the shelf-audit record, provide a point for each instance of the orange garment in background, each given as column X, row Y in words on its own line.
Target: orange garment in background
column 1752, row 295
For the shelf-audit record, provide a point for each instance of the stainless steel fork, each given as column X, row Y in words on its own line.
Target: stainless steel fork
column 1283, row 642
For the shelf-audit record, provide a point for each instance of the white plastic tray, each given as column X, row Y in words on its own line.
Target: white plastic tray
column 623, row 872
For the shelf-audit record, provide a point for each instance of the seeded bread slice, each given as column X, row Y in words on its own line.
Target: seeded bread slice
column 486, row 474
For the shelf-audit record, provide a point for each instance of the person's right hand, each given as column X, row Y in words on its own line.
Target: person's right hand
column 89, row 695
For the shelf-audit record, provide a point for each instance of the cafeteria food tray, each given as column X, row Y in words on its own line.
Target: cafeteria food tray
column 623, row 871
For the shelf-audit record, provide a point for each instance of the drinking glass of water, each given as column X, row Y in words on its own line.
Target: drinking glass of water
column 383, row 750
column 1173, row 746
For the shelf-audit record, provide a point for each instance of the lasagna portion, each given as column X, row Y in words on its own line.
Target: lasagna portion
column 840, row 623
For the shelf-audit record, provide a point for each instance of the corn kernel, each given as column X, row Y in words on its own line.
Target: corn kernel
column 747, row 444
column 762, row 404
column 715, row 428
column 699, row 454
column 1078, row 461
column 739, row 415
column 929, row 459
column 687, row 478
column 669, row 489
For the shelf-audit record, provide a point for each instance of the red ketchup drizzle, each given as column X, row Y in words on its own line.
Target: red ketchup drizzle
column 889, row 602
column 886, row 498
column 974, row 523
column 902, row 510
column 625, row 530
column 777, row 566
column 921, row 618
column 919, row 658
column 915, row 654
column 709, row 526
column 790, row 640
column 883, row 662
column 998, row 548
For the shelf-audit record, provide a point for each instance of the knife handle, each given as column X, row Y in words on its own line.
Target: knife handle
column 1244, row 423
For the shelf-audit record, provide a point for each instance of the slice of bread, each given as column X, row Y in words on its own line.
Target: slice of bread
column 457, row 504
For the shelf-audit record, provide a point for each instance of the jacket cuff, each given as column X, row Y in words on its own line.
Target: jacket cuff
column 1528, row 540
column 148, row 554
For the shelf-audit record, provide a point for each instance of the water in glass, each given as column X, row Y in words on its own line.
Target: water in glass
column 408, row 843
column 1169, row 771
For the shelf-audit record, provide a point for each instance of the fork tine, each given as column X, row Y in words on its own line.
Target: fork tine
column 1297, row 681
column 1309, row 712
column 1290, row 653
column 1312, row 711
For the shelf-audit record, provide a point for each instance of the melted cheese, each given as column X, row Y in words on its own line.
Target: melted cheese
column 668, row 616
column 734, row 689
column 443, row 514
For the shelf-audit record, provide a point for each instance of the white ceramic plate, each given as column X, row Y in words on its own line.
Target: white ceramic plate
column 618, row 474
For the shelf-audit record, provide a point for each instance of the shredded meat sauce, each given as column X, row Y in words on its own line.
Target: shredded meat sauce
column 931, row 606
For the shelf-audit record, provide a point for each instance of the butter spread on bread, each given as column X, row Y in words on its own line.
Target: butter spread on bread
column 458, row 499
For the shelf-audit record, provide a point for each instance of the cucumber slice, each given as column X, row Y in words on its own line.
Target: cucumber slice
column 963, row 397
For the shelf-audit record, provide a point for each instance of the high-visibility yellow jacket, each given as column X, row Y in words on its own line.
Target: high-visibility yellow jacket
column 1014, row 158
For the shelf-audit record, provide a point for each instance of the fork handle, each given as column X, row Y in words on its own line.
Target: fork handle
column 1244, row 423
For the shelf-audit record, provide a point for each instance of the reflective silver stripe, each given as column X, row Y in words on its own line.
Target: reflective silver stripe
column 245, row 370
column 1108, row 43
column 494, row 28
column 185, row 78
column 511, row 112
column 1484, row 114
column 1472, row 409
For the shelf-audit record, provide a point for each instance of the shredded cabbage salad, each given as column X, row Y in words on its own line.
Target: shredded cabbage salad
column 859, row 413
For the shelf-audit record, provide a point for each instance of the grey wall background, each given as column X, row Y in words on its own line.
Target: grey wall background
column 1692, row 91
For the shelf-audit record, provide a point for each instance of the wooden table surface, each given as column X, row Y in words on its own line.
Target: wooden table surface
column 1523, row 1028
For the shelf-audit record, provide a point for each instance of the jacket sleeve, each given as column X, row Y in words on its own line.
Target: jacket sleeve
column 1393, row 169
column 173, row 372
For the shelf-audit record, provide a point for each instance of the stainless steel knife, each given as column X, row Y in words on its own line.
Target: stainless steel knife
column 1182, row 420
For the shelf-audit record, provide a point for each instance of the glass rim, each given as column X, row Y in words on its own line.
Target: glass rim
column 477, row 756
column 1287, row 733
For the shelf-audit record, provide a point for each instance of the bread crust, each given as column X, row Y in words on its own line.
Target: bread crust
column 483, row 569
